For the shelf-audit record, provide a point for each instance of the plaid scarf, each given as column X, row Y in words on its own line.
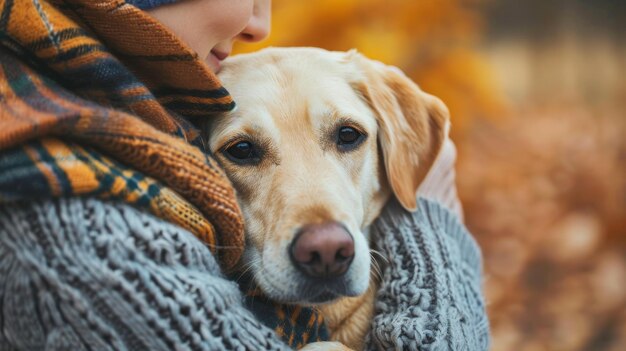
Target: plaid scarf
column 96, row 99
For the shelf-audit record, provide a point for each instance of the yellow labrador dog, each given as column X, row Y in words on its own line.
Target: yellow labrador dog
column 319, row 142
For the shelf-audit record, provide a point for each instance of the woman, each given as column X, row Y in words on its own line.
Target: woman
column 112, row 219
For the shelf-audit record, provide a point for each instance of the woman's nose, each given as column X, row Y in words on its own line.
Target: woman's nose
column 258, row 28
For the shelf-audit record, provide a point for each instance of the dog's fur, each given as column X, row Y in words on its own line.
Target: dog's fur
column 291, row 103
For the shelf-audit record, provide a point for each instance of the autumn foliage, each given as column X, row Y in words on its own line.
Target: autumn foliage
column 431, row 40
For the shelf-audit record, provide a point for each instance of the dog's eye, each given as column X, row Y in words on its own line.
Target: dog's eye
column 243, row 152
column 348, row 138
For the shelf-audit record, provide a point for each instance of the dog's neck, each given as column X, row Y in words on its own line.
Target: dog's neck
column 349, row 318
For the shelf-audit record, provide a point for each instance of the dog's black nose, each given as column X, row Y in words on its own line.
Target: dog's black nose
column 322, row 250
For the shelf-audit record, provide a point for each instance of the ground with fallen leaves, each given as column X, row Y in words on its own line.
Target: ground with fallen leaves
column 544, row 192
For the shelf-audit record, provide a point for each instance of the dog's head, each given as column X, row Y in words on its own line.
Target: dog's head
column 316, row 146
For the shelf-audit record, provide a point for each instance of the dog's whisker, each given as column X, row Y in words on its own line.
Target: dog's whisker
column 375, row 261
column 372, row 251
column 377, row 274
column 247, row 267
column 376, row 268
column 243, row 273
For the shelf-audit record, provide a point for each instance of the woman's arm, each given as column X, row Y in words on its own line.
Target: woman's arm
column 440, row 182
column 81, row 274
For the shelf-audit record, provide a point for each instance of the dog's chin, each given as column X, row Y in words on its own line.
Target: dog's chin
column 323, row 298
column 309, row 292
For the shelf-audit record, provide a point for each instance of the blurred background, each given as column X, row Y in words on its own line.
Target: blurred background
column 537, row 92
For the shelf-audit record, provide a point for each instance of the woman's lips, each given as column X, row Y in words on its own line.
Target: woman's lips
column 215, row 58
column 220, row 55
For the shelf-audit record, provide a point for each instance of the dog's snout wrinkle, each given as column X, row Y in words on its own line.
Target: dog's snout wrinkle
column 322, row 250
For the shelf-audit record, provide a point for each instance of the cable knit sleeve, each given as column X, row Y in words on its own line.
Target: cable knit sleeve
column 430, row 295
column 81, row 274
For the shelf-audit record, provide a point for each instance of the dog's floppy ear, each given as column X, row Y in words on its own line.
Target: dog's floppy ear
column 412, row 125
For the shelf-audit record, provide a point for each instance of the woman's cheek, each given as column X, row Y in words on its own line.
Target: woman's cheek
column 235, row 18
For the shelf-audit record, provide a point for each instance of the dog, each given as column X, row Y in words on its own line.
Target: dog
column 317, row 145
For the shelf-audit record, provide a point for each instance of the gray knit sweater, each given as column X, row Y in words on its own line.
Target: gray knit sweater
column 81, row 274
